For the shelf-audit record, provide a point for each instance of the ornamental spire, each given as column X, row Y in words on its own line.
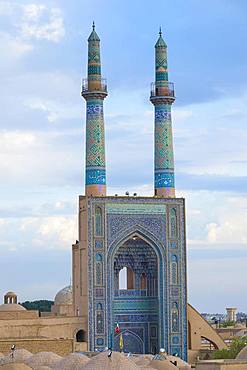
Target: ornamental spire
column 94, row 91
column 162, row 97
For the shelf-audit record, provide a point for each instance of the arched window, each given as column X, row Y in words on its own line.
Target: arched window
column 81, row 336
column 100, row 322
column 99, row 257
column 143, row 281
column 98, row 222
column 122, row 278
column 130, row 278
column 99, row 307
column 174, row 318
column 99, row 269
column 173, row 223
column 174, row 270
column 126, row 278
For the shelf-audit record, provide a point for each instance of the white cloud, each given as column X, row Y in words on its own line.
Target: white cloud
column 42, row 23
column 33, row 21
column 53, row 232
column 16, row 140
column 6, row 8
column 231, row 229
column 55, row 111
column 58, row 231
column 12, row 47
column 212, row 137
column 3, row 222
column 33, row 12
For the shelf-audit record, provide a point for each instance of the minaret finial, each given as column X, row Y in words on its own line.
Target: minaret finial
column 93, row 26
column 160, row 33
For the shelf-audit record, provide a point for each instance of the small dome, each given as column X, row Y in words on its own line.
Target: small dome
column 43, row 359
column 71, row 361
column 20, row 355
column 14, row 366
column 64, row 296
column 11, row 307
column 11, row 293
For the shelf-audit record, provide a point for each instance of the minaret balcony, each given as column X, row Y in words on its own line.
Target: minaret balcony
column 162, row 90
column 94, row 86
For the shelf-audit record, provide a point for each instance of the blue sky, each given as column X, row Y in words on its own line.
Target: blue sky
column 43, row 58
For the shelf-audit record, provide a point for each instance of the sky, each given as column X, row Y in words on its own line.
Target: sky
column 43, row 48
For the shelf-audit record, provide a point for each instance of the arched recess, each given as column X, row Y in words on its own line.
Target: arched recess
column 199, row 328
column 189, row 335
column 208, row 342
column 98, row 221
column 130, row 340
column 133, row 233
column 173, row 223
column 136, row 231
column 174, row 270
column 81, row 336
column 126, row 278
column 143, row 281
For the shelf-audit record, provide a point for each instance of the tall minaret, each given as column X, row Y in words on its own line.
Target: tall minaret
column 162, row 97
column 94, row 91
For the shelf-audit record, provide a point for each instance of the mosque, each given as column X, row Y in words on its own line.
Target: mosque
column 144, row 235
column 129, row 262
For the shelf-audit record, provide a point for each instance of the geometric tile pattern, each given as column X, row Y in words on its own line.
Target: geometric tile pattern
column 95, row 145
column 95, row 135
column 164, row 159
column 160, row 225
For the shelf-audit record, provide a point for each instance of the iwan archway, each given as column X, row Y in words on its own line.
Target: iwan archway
column 135, row 296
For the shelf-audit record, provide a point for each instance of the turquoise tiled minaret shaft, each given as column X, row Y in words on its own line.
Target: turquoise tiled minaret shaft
column 94, row 91
column 162, row 97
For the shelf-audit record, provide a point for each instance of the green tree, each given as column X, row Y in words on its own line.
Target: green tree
column 225, row 324
column 235, row 347
column 42, row 305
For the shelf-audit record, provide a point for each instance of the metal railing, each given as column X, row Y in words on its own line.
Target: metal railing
column 162, row 88
column 131, row 293
column 134, row 293
column 94, row 85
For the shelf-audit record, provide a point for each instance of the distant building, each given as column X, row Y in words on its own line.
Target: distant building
column 231, row 314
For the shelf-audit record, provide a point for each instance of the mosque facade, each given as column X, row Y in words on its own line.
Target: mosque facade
column 141, row 239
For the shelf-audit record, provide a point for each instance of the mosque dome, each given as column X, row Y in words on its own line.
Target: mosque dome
column 11, row 293
column 11, row 307
column 43, row 359
column 64, row 296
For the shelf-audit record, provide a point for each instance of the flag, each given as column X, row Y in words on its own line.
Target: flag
column 121, row 342
column 117, row 329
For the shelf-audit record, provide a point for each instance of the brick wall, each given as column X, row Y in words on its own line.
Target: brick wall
column 18, row 315
column 60, row 346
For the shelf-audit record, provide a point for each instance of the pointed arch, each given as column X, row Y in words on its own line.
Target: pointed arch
column 174, row 318
column 98, row 221
column 160, row 251
column 174, row 270
column 173, row 223
column 140, row 232
column 143, row 281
